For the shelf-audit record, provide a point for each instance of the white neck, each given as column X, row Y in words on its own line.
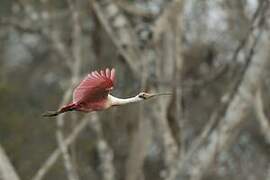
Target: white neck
column 119, row 101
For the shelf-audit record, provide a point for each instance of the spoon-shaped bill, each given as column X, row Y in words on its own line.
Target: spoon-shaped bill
column 160, row 94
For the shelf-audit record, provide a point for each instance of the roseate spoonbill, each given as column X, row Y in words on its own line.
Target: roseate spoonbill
column 92, row 94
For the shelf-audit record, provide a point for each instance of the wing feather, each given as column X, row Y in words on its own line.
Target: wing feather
column 94, row 86
column 112, row 77
column 108, row 73
column 102, row 73
column 96, row 74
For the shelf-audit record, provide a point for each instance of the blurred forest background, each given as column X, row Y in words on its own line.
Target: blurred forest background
column 213, row 55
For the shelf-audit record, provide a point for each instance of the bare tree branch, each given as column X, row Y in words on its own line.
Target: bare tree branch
column 120, row 32
column 224, row 104
column 62, row 49
column 163, row 21
column 268, row 174
column 71, row 173
column 141, row 136
column 77, row 55
column 77, row 38
column 168, row 32
column 179, row 63
column 235, row 114
column 263, row 120
column 105, row 152
column 135, row 10
column 75, row 69
column 46, row 166
column 7, row 171
column 51, row 34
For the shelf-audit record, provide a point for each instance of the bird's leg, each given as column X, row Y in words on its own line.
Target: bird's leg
column 50, row 113
column 54, row 113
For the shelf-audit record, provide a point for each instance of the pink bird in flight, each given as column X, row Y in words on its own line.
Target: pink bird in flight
column 92, row 94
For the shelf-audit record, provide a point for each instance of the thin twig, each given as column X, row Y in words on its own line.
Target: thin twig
column 175, row 29
column 62, row 49
column 128, row 57
column 261, row 117
column 7, row 171
column 162, row 22
column 51, row 35
column 104, row 151
column 268, row 173
column 221, row 110
column 77, row 38
column 50, row 161
column 77, row 54
column 71, row 173
column 60, row 139
column 133, row 9
column 141, row 135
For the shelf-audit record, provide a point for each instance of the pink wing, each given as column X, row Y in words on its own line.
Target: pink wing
column 94, row 86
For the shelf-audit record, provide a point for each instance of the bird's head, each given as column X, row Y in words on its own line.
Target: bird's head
column 144, row 95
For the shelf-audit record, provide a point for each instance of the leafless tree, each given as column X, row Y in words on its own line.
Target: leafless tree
column 213, row 56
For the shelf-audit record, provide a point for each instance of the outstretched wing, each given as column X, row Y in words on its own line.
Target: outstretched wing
column 94, row 86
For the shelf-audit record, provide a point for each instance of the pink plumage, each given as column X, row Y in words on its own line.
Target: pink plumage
column 91, row 94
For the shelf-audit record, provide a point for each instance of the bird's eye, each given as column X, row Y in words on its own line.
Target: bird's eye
column 142, row 95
